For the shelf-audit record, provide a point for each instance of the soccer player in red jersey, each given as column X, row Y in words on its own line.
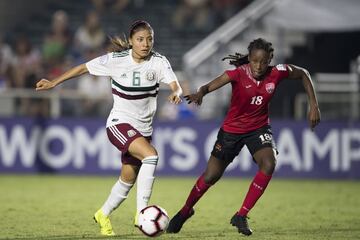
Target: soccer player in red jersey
column 254, row 83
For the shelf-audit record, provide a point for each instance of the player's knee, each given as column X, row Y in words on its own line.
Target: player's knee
column 128, row 179
column 268, row 165
column 152, row 151
column 211, row 178
column 149, row 152
column 129, row 173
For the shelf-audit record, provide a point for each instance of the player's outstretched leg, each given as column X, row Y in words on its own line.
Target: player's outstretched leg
column 241, row 223
column 104, row 223
column 178, row 221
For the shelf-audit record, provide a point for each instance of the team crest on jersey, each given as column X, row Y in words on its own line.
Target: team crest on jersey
column 270, row 87
column 281, row 67
column 150, row 75
column 131, row 133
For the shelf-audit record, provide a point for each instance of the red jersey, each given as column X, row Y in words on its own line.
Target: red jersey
column 249, row 108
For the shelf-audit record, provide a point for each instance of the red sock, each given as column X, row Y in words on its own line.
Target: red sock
column 256, row 189
column 196, row 193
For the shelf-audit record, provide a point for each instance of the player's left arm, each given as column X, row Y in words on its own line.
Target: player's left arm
column 176, row 92
column 296, row 72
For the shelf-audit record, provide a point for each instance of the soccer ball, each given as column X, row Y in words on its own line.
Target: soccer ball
column 153, row 221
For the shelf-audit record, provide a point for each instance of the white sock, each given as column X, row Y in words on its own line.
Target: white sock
column 145, row 181
column 118, row 194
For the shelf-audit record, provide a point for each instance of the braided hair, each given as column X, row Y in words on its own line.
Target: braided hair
column 239, row 59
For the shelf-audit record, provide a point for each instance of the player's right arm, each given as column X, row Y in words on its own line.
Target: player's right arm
column 45, row 84
column 207, row 88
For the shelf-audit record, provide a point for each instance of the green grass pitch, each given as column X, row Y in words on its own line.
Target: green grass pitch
column 61, row 207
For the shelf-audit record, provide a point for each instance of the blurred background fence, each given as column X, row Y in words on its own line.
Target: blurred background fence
column 40, row 132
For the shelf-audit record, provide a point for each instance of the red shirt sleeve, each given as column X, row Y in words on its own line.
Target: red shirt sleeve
column 233, row 74
column 282, row 71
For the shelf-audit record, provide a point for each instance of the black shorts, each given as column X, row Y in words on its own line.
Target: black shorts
column 228, row 145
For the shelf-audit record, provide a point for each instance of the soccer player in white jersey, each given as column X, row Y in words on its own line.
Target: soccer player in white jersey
column 135, row 71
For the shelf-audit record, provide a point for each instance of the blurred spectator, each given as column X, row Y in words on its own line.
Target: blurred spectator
column 97, row 103
column 57, row 42
column 26, row 62
column 181, row 111
column 26, row 70
column 186, row 111
column 69, row 107
column 168, row 112
column 91, row 35
column 56, row 52
column 193, row 15
column 117, row 5
column 6, row 59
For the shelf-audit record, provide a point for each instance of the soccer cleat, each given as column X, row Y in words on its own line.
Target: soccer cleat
column 136, row 220
column 104, row 223
column 241, row 223
column 177, row 222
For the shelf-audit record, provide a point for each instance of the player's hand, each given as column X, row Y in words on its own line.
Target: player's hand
column 195, row 98
column 314, row 117
column 174, row 98
column 44, row 84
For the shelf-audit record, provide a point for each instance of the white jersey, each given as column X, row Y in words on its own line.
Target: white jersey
column 135, row 86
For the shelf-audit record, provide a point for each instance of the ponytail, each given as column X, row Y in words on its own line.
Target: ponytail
column 117, row 44
column 237, row 60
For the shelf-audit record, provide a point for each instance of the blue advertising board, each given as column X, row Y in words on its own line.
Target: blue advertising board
column 80, row 146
